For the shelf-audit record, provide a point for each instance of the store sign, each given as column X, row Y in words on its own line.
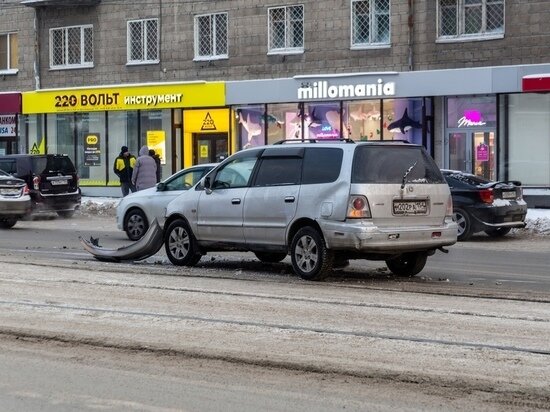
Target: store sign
column 161, row 96
column 471, row 118
column 7, row 125
column 92, row 152
column 322, row 90
column 482, row 152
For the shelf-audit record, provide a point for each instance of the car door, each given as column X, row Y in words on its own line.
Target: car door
column 272, row 199
column 172, row 187
column 220, row 205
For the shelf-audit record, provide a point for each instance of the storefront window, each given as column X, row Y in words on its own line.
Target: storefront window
column 123, row 131
column 322, row 121
column 362, row 120
column 463, row 112
column 527, row 144
column 283, row 122
column 250, row 126
column 156, row 132
column 32, row 134
column 61, row 134
column 402, row 119
column 91, row 160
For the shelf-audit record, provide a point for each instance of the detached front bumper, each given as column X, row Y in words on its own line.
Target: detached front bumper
column 365, row 237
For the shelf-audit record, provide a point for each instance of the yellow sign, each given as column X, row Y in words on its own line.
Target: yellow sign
column 200, row 121
column 156, row 140
column 150, row 97
column 92, row 139
column 204, row 151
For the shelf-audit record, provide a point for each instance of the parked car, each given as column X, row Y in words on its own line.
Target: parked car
column 323, row 203
column 135, row 211
column 15, row 202
column 482, row 205
column 51, row 178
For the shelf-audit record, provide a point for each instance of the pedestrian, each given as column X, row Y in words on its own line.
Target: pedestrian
column 157, row 161
column 123, row 168
column 145, row 170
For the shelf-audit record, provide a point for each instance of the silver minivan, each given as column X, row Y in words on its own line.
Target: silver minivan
column 323, row 202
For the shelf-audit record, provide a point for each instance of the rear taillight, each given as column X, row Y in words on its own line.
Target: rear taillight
column 36, row 182
column 487, row 195
column 449, row 211
column 358, row 207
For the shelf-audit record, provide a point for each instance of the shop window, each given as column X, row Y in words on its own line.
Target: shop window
column 402, row 119
column 211, row 36
column 143, row 41
column 464, row 19
column 322, row 121
column 362, row 120
column 122, row 131
column 283, row 122
column 71, row 47
column 370, row 22
column 250, row 126
column 286, row 29
column 465, row 112
column 91, row 142
column 9, row 53
column 156, row 126
column 32, row 131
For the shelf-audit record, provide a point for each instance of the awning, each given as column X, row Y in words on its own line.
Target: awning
column 536, row 83
column 10, row 103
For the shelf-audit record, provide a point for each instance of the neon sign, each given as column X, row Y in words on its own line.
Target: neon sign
column 471, row 118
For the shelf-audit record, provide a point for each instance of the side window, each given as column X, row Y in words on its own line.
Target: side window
column 278, row 171
column 322, row 165
column 235, row 174
column 184, row 181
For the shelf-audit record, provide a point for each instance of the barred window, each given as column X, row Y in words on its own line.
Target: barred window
column 211, row 36
column 71, row 47
column 286, row 29
column 143, row 41
column 9, row 52
column 470, row 18
column 370, row 22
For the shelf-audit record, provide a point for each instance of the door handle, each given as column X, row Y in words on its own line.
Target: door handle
column 289, row 199
column 235, row 201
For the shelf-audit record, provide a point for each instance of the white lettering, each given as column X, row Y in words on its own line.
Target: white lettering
column 463, row 122
column 322, row 90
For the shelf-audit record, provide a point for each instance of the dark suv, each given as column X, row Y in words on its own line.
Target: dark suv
column 51, row 178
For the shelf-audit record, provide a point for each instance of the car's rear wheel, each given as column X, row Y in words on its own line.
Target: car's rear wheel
column 7, row 223
column 66, row 214
column 180, row 244
column 270, row 257
column 498, row 231
column 408, row 264
column 311, row 259
column 135, row 224
column 464, row 222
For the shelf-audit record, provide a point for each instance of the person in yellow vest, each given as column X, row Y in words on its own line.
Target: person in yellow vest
column 123, row 168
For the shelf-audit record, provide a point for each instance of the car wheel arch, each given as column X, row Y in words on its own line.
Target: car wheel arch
column 299, row 224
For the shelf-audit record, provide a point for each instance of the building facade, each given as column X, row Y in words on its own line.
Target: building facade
column 467, row 79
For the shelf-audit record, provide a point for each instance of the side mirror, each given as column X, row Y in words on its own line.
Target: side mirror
column 207, row 184
column 161, row 186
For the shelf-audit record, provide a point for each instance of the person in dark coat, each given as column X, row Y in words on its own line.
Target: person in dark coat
column 123, row 168
column 157, row 161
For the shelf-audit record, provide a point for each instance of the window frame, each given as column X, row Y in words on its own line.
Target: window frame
column 144, row 42
column 286, row 49
column 372, row 12
column 460, row 35
column 83, row 64
column 213, row 39
column 10, row 69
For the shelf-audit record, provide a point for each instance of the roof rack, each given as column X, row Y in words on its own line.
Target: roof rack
column 314, row 141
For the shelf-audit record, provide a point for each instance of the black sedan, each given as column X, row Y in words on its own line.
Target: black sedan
column 482, row 205
column 15, row 201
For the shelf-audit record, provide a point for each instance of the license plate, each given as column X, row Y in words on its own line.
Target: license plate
column 11, row 192
column 59, row 182
column 509, row 195
column 410, row 207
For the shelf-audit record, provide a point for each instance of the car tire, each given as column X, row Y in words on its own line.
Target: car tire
column 7, row 223
column 311, row 259
column 464, row 222
column 498, row 232
column 66, row 214
column 135, row 224
column 270, row 257
column 408, row 264
column 180, row 244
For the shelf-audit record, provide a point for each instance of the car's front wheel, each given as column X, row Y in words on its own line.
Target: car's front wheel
column 408, row 264
column 498, row 232
column 135, row 224
column 180, row 244
column 7, row 223
column 464, row 222
column 311, row 259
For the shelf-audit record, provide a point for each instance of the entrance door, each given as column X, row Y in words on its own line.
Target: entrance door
column 473, row 152
column 209, row 147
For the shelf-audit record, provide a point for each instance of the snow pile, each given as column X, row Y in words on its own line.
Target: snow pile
column 538, row 220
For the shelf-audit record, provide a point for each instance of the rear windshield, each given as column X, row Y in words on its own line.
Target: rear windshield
column 52, row 164
column 469, row 179
column 389, row 164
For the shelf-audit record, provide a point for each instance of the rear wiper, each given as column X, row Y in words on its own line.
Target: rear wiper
column 406, row 174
